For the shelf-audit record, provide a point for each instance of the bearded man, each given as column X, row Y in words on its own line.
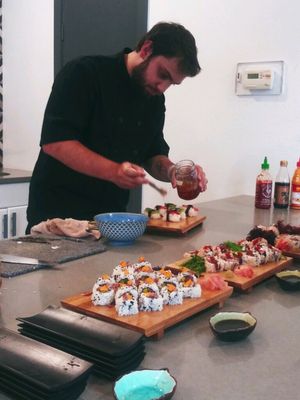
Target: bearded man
column 103, row 127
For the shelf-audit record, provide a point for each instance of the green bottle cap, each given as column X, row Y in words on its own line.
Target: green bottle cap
column 265, row 164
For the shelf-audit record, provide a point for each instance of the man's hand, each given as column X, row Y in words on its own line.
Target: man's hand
column 129, row 176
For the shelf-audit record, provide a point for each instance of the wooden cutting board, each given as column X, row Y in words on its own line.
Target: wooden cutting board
column 180, row 227
column 261, row 273
column 149, row 323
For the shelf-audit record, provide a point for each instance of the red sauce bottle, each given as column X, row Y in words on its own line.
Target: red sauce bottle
column 295, row 195
column 186, row 180
column 263, row 192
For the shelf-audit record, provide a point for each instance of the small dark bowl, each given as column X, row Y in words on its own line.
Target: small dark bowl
column 232, row 326
column 289, row 280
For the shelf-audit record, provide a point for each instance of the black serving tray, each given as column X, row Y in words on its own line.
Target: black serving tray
column 20, row 390
column 109, row 369
column 45, row 368
column 72, row 347
column 105, row 338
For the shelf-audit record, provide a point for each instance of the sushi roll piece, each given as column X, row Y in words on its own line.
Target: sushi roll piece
column 251, row 258
column 150, row 300
column 142, row 262
column 173, row 216
column 125, row 276
column 126, row 302
column 189, row 285
column 147, row 211
column 165, row 275
column 211, row 264
column 190, row 210
column 155, row 214
column 171, row 292
column 103, row 292
column 182, row 213
column 123, row 268
column 227, row 262
column 162, row 211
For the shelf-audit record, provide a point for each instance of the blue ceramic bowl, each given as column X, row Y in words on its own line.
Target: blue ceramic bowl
column 121, row 228
column 146, row 384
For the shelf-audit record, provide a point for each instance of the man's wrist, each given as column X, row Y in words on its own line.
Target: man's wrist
column 170, row 172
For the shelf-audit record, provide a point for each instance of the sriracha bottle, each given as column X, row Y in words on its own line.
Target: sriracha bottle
column 263, row 192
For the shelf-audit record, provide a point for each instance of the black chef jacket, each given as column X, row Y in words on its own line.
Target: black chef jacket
column 94, row 101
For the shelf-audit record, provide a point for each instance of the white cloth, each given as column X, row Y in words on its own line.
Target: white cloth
column 66, row 227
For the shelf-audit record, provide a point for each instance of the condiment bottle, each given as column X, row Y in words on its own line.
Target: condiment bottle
column 186, row 180
column 263, row 192
column 282, row 186
column 295, row 193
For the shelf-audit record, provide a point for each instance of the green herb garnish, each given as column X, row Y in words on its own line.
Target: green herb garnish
column 196, row 264
column 233, row 246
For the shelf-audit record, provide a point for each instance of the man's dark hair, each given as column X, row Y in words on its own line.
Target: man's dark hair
column 173, row 40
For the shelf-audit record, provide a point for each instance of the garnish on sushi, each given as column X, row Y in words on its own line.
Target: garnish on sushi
column 196, row 264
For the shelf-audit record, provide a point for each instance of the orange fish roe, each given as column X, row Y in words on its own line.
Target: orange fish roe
column 103, row 288
column 149, row 280
column 141, row 259
column 123, row 263
column 127, row 296
column 146, row 268
column 167, row 273
column 171, row 287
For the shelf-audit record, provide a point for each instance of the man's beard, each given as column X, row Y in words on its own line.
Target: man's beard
column 138, row 77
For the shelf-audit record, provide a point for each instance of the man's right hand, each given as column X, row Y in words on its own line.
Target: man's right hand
column 129, row 176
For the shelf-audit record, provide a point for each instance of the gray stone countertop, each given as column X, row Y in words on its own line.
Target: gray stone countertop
column 8, row 175
column 265, row 366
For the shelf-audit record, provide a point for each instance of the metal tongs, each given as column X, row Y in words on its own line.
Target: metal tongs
column 161, row 191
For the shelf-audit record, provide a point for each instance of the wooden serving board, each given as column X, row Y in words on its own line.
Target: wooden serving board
column 261, row 273
column 176, row 227
column 149, row 323
column 293, row 254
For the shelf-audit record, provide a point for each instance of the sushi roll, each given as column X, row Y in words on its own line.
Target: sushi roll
column 125, row 276
column 171, row 293
column 149, row 297
column 165, row 275
column 251, row 258
column 147, row 211
column 126, row 301
column 123, row 268
column 173, row 216
column 162, row 211
column 182, row 213
column 103, row 292
column 155, row 214
column 190, row 210
column 142, row 262
column 189, row 285
column 211, row 264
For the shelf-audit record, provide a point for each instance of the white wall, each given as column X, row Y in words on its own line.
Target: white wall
column 226, row 134
column 27, row 77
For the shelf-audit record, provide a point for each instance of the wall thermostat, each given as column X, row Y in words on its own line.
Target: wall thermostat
column 260, row 78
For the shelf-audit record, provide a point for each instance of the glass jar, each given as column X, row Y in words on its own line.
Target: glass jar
column 186, row 180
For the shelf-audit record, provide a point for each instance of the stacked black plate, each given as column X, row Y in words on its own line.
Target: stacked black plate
column 32, row 370
column 114, row 350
